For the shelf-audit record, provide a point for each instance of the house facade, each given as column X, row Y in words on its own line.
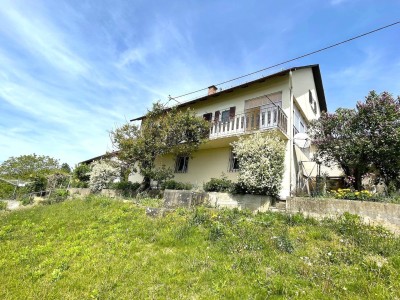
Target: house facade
column 284, row 102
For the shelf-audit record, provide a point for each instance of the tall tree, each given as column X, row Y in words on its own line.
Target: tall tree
column 176, row 131
column 361, row 140
column 66, row 168
column 379, row 119
column 26, row 166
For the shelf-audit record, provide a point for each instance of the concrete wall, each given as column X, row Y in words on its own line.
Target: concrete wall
column 385, row 214
column 86, row 191
column 251, row 202
column 175, row 198
column 79, row 191
column 254, row 203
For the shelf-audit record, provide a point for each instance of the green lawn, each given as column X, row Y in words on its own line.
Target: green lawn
column 106, row 249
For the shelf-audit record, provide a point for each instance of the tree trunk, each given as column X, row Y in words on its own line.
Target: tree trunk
column 145, row 185
column 357, row 181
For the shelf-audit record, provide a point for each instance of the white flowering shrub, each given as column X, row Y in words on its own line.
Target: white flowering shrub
column 261, row 163
column 102, row 174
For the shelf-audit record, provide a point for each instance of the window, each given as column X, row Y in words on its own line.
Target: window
column 207, row 117
column 181, row 164
column 312, row 101
column 302, row 127
column 233, row 163
column 216, row 116
column 299, row 124
column 226, row 115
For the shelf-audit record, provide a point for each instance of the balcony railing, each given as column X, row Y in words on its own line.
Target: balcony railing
column 254, row 120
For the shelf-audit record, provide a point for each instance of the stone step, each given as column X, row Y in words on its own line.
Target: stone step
column 271, row 209
column 279, row 206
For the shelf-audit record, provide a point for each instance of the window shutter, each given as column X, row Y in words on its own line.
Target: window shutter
column 232, row 111
column 216, row 116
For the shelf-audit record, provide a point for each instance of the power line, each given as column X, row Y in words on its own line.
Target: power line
column 296, row 58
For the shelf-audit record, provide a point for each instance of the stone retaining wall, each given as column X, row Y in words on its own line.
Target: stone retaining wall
column 175, row 198
column 180, row 198
column 251, row 202
column 79, row 191
column 384, row 214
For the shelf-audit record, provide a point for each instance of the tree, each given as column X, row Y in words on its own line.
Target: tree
column 81, row 176
column 162, row 131
column 361, row 140
column 26, row 166
column 261, row 163
column 66, row 168
column 379, row 119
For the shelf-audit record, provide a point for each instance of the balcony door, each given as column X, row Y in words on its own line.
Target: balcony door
column 253, row 118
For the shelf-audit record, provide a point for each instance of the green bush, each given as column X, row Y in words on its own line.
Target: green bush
column 26, row 199
column 175, row 185
column 39, row 183
column 81, row 173
column 6, row 190
column 75, row 183
column 219, row 185
column 56, row 196
column 3, row 205
column 126, row 188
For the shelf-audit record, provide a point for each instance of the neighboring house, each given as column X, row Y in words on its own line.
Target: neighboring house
column 285, row 102
column 109, row 155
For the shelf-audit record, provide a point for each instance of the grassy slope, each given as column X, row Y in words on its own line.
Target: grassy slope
column 103, row 249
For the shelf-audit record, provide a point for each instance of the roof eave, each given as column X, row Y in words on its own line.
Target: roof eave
column 317, row 80
column 319, row 88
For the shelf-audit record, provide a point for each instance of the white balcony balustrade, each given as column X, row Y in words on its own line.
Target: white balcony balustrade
column 256, row 119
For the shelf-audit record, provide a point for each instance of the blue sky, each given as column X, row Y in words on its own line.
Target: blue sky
column 70, row 71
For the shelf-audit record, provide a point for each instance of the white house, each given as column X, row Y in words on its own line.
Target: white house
column 285, row 102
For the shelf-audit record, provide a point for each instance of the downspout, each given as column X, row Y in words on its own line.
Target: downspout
column 291, row 107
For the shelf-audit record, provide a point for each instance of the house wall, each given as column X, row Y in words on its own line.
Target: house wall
column 303, row 81
column 135, row 176
column 203, row 165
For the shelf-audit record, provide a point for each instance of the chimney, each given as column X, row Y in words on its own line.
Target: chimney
column 212, row 90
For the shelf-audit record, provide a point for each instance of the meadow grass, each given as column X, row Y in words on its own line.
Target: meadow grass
column 98, row 248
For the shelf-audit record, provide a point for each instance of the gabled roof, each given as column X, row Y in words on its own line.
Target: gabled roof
column 103, row 156
column 317, row 79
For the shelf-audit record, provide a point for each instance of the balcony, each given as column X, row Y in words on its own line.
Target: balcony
column 255, row 119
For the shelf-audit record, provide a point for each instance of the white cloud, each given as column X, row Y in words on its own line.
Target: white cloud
column 42, row 38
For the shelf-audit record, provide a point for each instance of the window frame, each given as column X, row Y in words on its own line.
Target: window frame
column 233, row 162
column 225, row 116
column 184, row 164
column 312, row 101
